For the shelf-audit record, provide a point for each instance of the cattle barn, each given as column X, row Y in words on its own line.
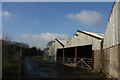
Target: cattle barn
column 83, row 50
column 50, row 53
column 93, row 51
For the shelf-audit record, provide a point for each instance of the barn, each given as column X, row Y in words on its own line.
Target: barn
column 93, row 51
column 83, row 50
column 50, row 53
column 111, row 44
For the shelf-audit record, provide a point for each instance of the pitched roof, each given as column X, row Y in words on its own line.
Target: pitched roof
column 95, row 35
column 62, row 42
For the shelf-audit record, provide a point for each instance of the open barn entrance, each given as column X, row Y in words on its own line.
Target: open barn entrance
column 59, row 55
column 70, row 52
column 76, row 56
column 84, row 53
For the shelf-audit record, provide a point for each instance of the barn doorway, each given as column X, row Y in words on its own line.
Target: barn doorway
column 85, row 54
column 84, row 51
column 59, row 55
column 80, row 56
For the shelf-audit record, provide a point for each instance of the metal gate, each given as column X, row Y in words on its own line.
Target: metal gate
column 81, row 62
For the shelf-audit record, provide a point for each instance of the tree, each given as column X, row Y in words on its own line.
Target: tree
column 7, row 37
column 50, row 43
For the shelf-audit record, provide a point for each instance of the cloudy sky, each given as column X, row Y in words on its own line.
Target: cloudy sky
column 37, row 23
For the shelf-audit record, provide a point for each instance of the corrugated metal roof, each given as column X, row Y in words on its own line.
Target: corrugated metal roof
column 97, row 35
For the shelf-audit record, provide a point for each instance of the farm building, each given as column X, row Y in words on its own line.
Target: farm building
column 111, row 45
column 50, row 53
column 92, row 51
column 82, row 48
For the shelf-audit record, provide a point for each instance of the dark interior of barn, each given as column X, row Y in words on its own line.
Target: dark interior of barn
column 70, row 52
column 84, row 51
column 59, row 52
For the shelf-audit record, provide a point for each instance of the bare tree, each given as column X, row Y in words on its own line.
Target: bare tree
column 7, row 37
column 49, row 43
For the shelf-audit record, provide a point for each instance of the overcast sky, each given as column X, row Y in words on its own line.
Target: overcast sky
column 37, row 23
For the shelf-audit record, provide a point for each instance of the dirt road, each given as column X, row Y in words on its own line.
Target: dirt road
column 43, row 69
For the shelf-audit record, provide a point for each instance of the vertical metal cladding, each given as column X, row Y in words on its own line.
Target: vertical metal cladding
column 119, row 40
column 111, row 42
column 112, row 31
column 119, row 21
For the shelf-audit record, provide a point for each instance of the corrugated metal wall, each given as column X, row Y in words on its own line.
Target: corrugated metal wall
column 83, row 39
column 111, row 34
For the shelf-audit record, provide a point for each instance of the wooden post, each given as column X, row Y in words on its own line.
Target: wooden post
column 75, row 60
column 101, row 55
column 56, row 57
column 92, row 60
column 63, row 55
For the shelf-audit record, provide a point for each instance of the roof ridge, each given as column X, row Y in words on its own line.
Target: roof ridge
column 96, row 35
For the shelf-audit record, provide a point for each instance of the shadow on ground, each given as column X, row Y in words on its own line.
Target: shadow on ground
column 36, row 69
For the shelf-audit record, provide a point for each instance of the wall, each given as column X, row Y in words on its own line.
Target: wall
column 119, row 21
column 119, row 40
column 111, row 43
column 110, row 64
column 111, row 34
column 0, row 59
column 119, row 63
column 51, row 52
column 53, row 49
column 74, row 41
column 83, row 39
column 97, row 62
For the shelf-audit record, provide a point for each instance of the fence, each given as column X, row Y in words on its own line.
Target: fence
column 81, row 62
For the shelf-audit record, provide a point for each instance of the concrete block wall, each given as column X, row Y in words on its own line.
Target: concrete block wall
column 119, row 62
column 111, row 45
column 96, row 66
column 119, row 40
column 0, row 59
column 110, row 62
